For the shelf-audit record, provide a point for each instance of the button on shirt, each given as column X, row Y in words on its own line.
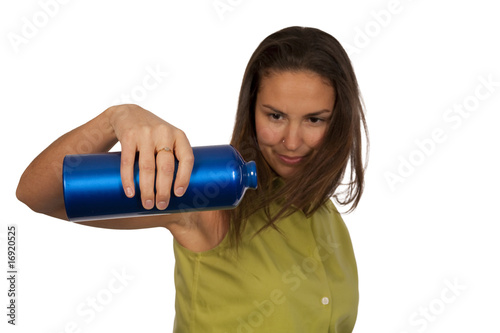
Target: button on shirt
column 303, row 279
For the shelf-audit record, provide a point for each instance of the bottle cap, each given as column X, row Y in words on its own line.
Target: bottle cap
column 250, row 175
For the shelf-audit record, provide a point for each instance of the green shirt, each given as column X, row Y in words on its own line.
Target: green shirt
column 301, row 280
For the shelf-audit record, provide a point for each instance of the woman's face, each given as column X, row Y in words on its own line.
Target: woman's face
column 292, row 113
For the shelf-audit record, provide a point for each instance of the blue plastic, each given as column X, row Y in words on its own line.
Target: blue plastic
column 93, row 188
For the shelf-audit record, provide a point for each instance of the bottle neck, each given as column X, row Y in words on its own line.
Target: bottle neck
column 249, row 173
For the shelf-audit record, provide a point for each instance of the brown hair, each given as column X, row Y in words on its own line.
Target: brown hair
column 295, row 49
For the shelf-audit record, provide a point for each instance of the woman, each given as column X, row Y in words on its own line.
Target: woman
column 282, row 261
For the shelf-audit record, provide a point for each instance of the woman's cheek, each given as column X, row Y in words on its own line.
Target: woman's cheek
column 314, row 138
column 268, row 136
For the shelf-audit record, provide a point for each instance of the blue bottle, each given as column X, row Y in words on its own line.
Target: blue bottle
column 93, row 188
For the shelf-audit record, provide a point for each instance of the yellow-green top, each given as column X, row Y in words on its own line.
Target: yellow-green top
column 301, row 280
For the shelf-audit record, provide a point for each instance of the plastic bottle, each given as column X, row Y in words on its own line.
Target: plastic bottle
column 93, row 187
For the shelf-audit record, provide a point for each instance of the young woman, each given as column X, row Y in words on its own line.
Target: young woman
column 282, row 261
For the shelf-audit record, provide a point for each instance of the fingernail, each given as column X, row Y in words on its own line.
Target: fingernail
column 148, row 204
column 161, row 205
column 179, row 191
column 129, row 192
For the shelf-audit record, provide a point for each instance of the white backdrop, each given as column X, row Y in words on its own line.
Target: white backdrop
column 425, row 234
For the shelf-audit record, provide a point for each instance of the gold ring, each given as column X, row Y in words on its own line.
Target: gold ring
column 168, row 150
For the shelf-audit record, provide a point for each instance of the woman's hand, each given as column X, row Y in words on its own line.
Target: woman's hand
column 139, row 130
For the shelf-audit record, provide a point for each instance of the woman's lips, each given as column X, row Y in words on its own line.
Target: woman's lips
column 291, row 160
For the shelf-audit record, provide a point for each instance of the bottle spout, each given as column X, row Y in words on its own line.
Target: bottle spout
column 250, row 175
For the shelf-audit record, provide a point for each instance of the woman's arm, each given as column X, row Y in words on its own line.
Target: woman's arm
column 138, row 130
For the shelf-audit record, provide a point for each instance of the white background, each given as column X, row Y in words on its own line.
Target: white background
column 416, row 62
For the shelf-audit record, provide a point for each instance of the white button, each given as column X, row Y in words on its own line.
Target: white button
column 325, row 300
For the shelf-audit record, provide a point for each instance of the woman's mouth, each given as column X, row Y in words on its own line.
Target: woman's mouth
column 291, row 160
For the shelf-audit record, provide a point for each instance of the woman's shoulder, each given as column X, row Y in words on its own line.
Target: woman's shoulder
column 329, row 212
column 327, row 220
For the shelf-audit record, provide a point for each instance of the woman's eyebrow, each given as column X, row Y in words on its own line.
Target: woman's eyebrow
column 317, row 113
column 273, row 109
column 312, row 114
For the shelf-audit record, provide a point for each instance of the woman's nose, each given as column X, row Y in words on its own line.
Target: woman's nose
column 292, row 137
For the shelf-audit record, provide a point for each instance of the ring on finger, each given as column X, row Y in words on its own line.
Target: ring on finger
column 167, row 149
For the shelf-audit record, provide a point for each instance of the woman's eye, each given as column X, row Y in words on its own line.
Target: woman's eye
column 315, row 120
column 275, row 116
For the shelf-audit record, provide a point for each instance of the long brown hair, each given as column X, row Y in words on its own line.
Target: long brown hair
column 295, row 49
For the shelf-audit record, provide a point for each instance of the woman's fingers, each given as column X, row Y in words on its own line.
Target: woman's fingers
column 165, row 167
column 141, row 132
column 127, row 169
column 184, row 154
column 147, row 170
